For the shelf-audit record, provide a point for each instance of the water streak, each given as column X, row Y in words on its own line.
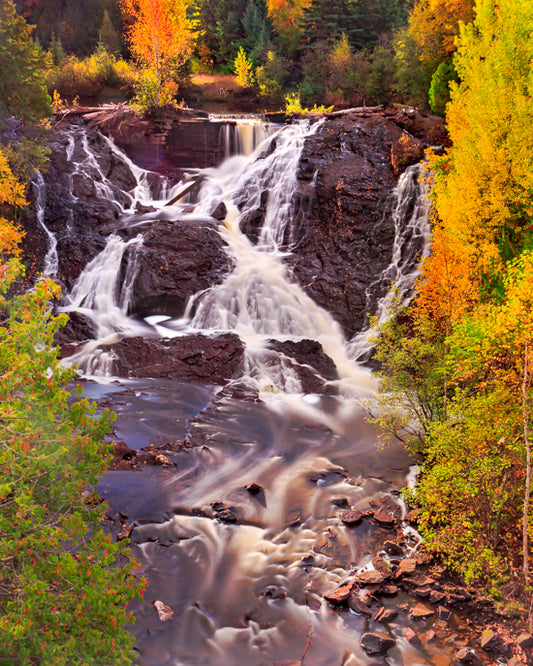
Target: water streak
column 51, row 260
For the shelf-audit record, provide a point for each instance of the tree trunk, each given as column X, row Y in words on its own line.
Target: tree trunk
column 527, row 490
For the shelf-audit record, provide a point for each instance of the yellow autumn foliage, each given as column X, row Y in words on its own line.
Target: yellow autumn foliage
column 11, row 195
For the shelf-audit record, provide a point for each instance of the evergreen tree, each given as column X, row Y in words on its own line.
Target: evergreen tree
column 109, row 36
column 22, row 62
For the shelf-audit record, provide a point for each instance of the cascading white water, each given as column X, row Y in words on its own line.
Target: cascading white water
column 257, row 300
column 98, row 294
column 51, row 260
column 410, row 213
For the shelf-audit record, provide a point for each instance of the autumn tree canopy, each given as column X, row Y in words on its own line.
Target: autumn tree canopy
column 160, row 35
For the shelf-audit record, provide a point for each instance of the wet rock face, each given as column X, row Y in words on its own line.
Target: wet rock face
column 176, row 260
column 193, row 358
column 313, row 367
column 344, row 241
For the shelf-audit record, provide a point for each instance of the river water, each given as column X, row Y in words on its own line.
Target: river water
column 245, row 572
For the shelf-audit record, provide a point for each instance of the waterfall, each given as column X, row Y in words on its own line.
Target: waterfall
column 409, row 209
column 51, row 260
column 258, row 300
column 242, row 135
column 249, row 592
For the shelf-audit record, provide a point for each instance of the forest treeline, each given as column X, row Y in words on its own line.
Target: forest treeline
column 332, row 52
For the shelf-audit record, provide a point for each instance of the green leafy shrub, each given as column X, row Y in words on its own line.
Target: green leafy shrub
column 64, row 583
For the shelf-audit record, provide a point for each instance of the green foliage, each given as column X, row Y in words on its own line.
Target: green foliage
column 76, row 23
column 148, row 97
column 108, row 36
column 22, row 64
column 64, row 584
column 412, row 76
column 476, row 483
column 439, row 89
column 60, row 597
column 293, row 106
column 271, row 76
column 413, row 380
column 470, row 487
column 227, row 26
column 57, row 51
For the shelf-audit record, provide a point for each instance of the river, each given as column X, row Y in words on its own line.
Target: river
column 239, row 528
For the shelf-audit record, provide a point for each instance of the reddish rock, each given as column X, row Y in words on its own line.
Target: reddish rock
column 370, row 577
column 412, row 516
column 422, row 611
column 385, row 615
column 444, row 613
column 382, row 566
column 412, row 637
column 525, row 641
column 165, row 612
column 405, row 567
column 489, row 640
column 360, row 603
column 195, row 358
column 254, row 488
column 436, row 596
column 393, row 548
column 467, row 656
column 384, row 517
column 340, row 594
column 351, row 517
column 405, row 151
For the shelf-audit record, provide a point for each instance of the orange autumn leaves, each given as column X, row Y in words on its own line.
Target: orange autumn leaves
column 160, row 35
column 11, row 196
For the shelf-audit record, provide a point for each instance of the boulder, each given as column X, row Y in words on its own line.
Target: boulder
column 340, row 594
column 194, row 358
column 313, row 367
column 421, row 611
column 407, row 150
column 176, row 260
column 351, row 517
column 372, row 577
column 376, row 642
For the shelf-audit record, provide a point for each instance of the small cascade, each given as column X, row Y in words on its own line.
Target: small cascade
column 85, row 163
column 51, row 260
column 409, row 209
column 97, row 293
column 242, row 135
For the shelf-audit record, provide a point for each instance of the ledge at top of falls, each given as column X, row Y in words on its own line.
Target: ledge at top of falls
column 188, row 137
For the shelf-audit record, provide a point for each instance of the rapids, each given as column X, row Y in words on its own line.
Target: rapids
column 245, row 572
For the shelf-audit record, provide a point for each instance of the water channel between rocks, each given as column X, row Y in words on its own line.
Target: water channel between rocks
column 245, row 570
